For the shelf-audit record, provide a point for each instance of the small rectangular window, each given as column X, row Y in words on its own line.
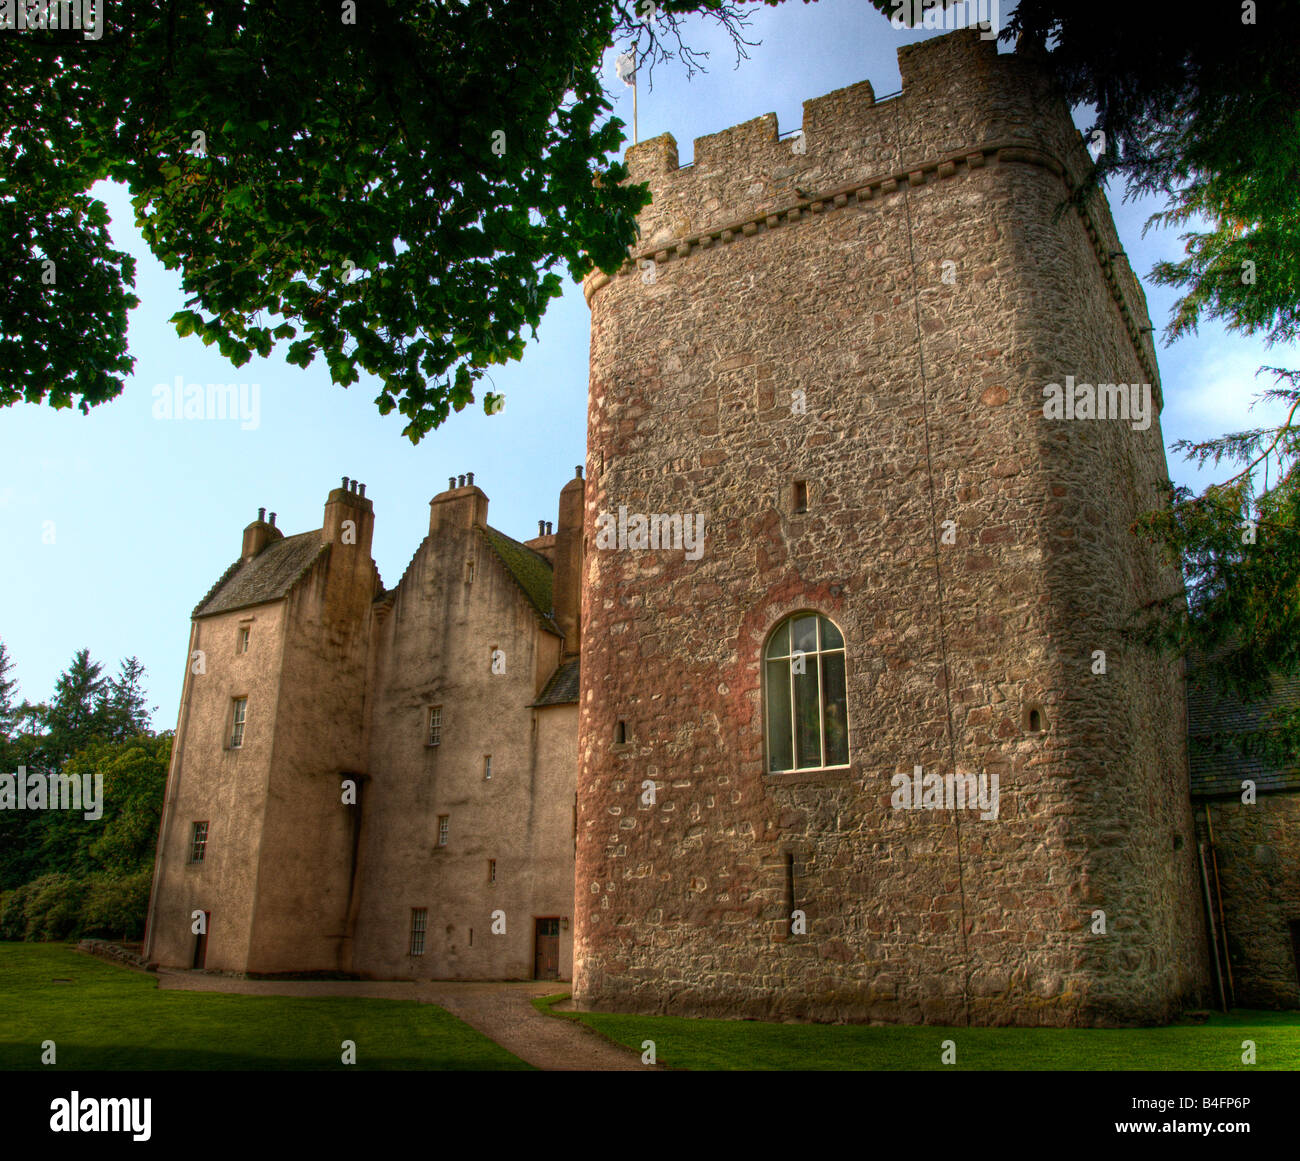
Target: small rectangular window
column 419, row 920
column 239, row 716
column 435, row 725
column 487, row 767
column 801, row 495
column 469, row 573
column 198, row 842
column 245, row 636
column 444, row 829
column 492, row 870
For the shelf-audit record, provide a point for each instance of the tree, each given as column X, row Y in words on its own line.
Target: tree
column 125, row 710
column 8, row 711
column 74, row 716
column 1204, row 112
column 390, row 187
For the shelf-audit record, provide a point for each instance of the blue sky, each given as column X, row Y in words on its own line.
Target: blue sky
column 147, row 513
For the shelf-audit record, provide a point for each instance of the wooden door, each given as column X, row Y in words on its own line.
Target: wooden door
column 546, row 963
column 201, row 942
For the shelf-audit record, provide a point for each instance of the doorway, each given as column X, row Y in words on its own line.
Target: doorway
column 201, row 942
column 546, row 962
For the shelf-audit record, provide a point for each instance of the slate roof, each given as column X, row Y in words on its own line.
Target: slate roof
column 530, row 570
column 1218, row 768
column 562, row 689
column 267, row 577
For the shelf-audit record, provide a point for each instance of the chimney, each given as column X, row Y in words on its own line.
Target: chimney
column 461, row 506
column 258, row 535
column 349, row 518
column 566, row 586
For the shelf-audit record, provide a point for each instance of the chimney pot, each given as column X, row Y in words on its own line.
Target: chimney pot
column 345, row 483
column 261, row 515
column 363, row 491
column 461, row 484
column 541, row 528
column 469, row 478
column 578, row 470
column 451, row 483
column 548, row 528
column 272, row 519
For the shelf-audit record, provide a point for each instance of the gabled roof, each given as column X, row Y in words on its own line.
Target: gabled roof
column 562, row 689
column 267, row 577
column 1219, row 768
column 530, row 571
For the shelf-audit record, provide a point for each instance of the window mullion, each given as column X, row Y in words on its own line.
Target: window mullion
column 794, row 721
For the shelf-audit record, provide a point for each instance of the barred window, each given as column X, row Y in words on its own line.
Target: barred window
column 419, row 920
column 238, row 718
column 198, row 842
column 435, row 725
column 806, row 703
column 444, row 826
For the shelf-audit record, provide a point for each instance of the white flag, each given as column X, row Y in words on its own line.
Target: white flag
column 625, row 66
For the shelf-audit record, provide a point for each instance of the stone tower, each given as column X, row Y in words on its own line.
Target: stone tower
column 837, row 350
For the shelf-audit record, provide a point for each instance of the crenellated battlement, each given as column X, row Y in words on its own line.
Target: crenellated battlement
column 963, row 108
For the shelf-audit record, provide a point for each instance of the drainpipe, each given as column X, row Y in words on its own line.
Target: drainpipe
column 1214, row 938
column 1218, row 894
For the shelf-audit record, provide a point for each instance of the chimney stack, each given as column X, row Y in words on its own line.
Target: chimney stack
column 566, row 586
column 462, row 505
column 349, row 518
column 258, row 535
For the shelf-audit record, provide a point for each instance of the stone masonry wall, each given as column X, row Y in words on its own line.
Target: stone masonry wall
column 906, row 275
column 1258, row 850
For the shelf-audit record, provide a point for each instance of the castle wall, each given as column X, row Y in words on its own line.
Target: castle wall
column 435, row 648
column 1258, row 849
column 306, row 867
column 226, row 787
column 905, row 275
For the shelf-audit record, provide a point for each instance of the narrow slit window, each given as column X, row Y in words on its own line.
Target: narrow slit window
column 801, row 495
column 620, row 733
column 199, row 842
column 487, row 767
column 238, row 717
column 419, row 922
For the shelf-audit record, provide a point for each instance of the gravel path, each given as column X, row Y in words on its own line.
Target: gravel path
column 501, row 1011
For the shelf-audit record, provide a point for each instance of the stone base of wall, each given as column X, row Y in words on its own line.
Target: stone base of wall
column 846, row 1006
column 1258, row 848
column 116, row 953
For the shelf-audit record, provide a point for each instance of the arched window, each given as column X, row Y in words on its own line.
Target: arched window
column 806, row 706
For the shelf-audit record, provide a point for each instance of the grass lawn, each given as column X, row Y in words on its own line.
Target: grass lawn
column 108, row 1017
column 750, row 1045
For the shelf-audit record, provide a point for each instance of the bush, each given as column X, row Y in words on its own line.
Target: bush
column 54, row 907
column 13, row 913
column 115, row 905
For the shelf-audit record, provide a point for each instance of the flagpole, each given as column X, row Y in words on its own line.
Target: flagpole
column 634, row 136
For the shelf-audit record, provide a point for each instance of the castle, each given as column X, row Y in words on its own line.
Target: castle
column 817, row 704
